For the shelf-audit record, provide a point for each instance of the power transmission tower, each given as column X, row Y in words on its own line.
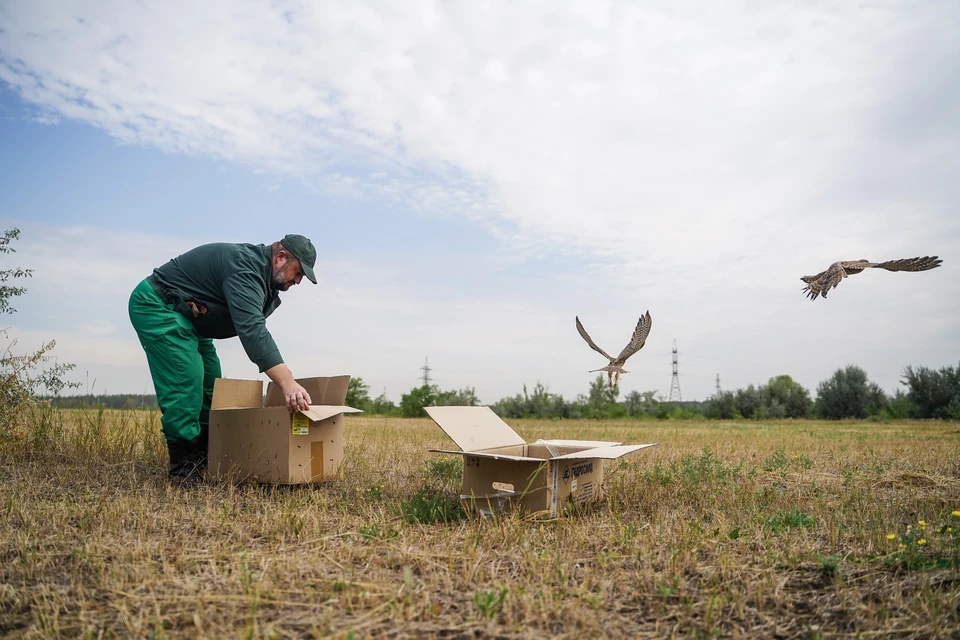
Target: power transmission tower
column 675, row 381
column 718, row 384
column 426, row 372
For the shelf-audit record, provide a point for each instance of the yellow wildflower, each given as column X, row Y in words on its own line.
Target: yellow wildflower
column 922, row 523
column 891, row 536
column 922, row 541
column 901, row 546
column 955, row 514
column 949, row 529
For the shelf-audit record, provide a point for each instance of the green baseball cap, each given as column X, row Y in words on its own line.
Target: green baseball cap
column 303, row 250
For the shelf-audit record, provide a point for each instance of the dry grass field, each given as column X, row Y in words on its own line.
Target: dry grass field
column 726, row 530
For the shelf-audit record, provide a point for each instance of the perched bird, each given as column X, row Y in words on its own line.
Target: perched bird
column 616, row 364
column 821, row 283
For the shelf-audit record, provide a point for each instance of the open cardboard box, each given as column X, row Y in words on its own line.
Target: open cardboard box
column 256, row 438
column 501, row 470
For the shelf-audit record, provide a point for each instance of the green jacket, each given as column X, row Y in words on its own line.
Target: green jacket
column 232, row 285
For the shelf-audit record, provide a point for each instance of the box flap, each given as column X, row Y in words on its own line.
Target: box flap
column 607, row 453
column 335, row 391
column 322, row 390
column 474, row 428
column 492, row 456
column 587, row 444
column 318, row 412
column 237, row 394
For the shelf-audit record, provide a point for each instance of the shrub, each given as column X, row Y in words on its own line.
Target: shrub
column 849, row 394
column 933, row 394
column 23, row 376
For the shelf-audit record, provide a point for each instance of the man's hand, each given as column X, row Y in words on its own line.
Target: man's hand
column 297, row 397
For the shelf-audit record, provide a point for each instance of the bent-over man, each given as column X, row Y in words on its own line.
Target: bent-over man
column 217, row 290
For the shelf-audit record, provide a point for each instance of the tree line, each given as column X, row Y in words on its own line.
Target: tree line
column 847, row 394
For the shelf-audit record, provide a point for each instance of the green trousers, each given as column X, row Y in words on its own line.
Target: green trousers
column 182, row 363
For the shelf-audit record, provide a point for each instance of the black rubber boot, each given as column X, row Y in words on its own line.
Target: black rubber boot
column 200, row 447
column 186, row 467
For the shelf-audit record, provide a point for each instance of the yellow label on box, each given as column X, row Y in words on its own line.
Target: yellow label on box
column 301, row 424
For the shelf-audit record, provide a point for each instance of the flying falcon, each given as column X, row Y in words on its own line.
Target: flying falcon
column 821, row 283
column 615, row 368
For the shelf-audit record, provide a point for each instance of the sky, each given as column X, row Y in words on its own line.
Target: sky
column 476, row 174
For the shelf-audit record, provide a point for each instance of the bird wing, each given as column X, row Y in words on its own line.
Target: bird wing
column 593, row 345
column 832, row 278
column 812, row 290
column 637, row 340
column 821, row 283
column 853, row 267
column 910, row 264
column 809, row 279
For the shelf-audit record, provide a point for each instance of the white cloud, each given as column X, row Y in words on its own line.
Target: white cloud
column 697, row 158
column 606, row 126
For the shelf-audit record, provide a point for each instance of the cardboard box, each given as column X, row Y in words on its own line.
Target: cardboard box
column 256, row 438
column 501, row 470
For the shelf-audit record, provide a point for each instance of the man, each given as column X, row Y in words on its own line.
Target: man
column 217, row 290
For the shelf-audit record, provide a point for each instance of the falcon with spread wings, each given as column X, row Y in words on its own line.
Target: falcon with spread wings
column 615, row 368
column 824, row 281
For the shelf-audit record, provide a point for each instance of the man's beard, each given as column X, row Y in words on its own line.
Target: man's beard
column 278, row 282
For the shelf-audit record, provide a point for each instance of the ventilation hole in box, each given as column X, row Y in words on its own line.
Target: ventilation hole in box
column 503, row 486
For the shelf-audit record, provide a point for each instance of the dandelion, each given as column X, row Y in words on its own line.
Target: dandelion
column 949, row 529
column 891, row 536
column 955, row 514
column 901, row 546
column 922, row 523
column 922, row 541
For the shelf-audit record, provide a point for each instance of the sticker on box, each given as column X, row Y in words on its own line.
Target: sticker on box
column 301, row 424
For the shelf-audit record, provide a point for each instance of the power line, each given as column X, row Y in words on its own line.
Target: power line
column 675, row 380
